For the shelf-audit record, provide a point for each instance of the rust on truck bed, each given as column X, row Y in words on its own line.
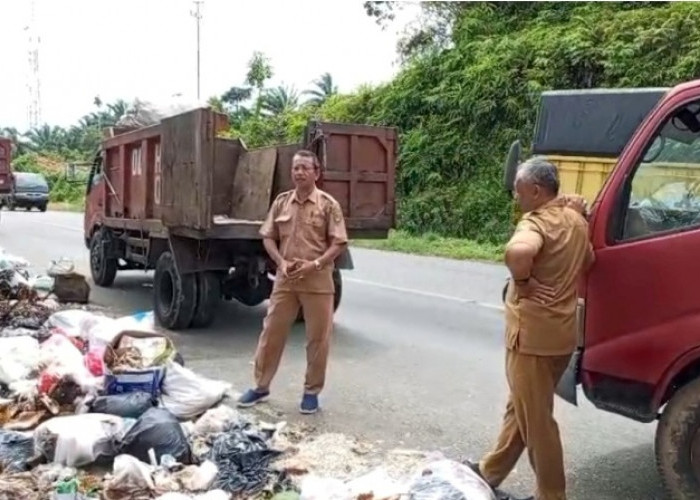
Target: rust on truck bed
column 181, row 177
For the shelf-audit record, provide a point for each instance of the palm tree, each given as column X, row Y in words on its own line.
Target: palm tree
column 45, row 138
column 280, row 99
column 324, row 89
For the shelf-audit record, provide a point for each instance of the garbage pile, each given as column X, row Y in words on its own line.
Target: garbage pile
column 93, row 406
column 106, row 393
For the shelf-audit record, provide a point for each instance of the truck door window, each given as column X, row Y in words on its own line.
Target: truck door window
column 664, row 194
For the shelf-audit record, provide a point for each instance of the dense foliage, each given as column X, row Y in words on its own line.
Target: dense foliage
column 469, row 85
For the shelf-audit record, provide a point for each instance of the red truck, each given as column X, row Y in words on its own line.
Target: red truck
column 638, row 349
column 5, row 165
column 181, row 198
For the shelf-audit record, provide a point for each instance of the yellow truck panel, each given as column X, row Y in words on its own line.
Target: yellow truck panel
column 582, row 175
column 586, row 175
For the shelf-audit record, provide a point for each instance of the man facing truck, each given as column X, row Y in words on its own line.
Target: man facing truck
column 309, row 225
column 545, row 256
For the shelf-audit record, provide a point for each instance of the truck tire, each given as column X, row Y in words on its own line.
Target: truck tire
column 103, row 267
column 338, row 286
column 208, row 298
column 677, row 444
column 174, row 295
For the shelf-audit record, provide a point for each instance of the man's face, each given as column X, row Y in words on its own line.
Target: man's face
column 304, row 174
column 528, row 195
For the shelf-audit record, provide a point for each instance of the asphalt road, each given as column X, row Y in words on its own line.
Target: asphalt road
column 417, row 360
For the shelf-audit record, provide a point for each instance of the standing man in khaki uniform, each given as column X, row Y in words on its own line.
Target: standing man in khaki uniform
column 546, row 256
column 309, row 226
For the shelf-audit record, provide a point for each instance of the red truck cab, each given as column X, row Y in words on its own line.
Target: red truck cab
column 638, row 350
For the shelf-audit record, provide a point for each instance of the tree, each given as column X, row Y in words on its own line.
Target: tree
column 280, row 99
column 259, row 71
column 325, row 87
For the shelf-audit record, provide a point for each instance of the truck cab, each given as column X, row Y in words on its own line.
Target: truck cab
column 638, row 351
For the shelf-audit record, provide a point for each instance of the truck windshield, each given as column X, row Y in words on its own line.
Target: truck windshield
column 665, row 190
column 31, row 182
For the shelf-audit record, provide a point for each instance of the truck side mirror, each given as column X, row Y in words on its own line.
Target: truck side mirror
column 511, row 166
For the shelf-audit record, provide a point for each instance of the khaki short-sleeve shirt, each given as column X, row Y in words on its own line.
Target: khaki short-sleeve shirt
column 559, row 234
column 305, row 229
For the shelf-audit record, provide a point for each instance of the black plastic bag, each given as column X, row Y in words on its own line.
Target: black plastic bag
column 128, row 405
column 243, row 459
column 157, row 428
column 16, row 450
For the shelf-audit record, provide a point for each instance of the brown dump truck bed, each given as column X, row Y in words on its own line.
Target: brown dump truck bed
column 5, row 168
column 181, row 175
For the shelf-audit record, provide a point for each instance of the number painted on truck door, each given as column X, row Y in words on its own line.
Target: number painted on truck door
column 136, row 169
column 156, row 178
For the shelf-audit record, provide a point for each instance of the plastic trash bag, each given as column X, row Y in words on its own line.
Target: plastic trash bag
column 20, row 358
column 324, row 488
column 209, row 495
column 187, row 394
column 449, row 480
column 129, row 405
column 73, row 322
column 131, row 478
column 377, row 485
column 78, row 440
column 157, row 428
column 16, row 449
column 217, row 420
column 242, row 457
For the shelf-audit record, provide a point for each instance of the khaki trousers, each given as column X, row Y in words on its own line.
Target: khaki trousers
column 529, row 423
column 281, row 314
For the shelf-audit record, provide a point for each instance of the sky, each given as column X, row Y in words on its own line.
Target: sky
column 146, row 49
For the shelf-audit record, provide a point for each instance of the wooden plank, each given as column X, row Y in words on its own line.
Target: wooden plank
column 187, row 156
column 252, row 186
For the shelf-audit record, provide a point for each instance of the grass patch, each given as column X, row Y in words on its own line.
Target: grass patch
column 60, row 206
column 438, row 246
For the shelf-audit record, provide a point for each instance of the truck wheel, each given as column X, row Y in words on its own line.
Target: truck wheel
column 43, row 207
column 208, row 298
column 103, row 267
column 338, row 285
column 678, row 443
column 174, row 295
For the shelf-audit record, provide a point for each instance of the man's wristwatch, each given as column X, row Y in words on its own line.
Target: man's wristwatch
column 317, row 264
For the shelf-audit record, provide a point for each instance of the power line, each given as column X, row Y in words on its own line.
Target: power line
column 198, row 16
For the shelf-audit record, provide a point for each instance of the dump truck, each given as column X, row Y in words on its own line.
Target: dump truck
column 582, row 131
column 183, row 199
column 638, row 348
column 5, row 166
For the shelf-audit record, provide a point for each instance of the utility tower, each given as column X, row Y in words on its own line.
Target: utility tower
column 33, row 82
column 198, row 16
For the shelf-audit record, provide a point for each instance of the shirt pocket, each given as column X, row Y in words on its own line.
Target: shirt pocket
column 284, row 224
column 316, row 220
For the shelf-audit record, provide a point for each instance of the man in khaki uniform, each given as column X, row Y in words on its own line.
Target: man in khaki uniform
column 310, row 228
column 546, row 256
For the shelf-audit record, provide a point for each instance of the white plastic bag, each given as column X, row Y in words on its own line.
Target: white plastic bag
column 9, row 261
column 209, row 495
column 78, row 440
column 377, row 485
column 186, row 394
column 73, row 322
column 449, row 480
column 324, row 488
column 19, row 357
column 59, row 357
column 216, row 420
